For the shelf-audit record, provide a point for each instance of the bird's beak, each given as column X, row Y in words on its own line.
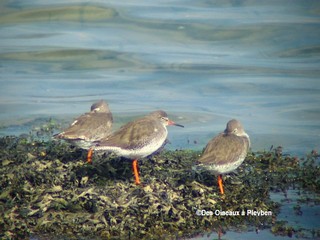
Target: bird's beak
column 175, row 124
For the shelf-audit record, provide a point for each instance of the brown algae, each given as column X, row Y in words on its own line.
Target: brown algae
column 47, row 188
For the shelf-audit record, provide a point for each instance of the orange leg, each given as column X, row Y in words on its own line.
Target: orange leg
column 89, row 156
column 135, row 171
column 220, row 184
column 220, row 233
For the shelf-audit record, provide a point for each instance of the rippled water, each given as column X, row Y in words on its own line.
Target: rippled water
column 204, row 62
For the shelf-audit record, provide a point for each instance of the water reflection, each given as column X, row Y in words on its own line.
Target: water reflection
column 77, row 13
column 203, row 62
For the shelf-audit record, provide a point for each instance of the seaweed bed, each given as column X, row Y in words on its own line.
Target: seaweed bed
column 48, row 190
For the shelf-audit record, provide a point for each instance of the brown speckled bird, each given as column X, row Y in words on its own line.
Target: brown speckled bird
column 89, row 127
column 138, row 139
column 225, row 152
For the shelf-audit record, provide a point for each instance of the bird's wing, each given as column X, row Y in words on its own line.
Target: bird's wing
column 133, row 134
column 224, row 148
column 87, row 126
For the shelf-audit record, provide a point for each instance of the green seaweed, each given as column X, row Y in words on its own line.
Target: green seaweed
column 48, row 190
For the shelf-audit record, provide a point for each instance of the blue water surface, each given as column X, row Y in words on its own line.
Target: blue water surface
column 204, row 62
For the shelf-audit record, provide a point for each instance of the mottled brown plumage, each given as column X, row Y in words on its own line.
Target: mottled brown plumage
column 147, row 132
column 225, row 152
column 139, row 138
column 89, row 127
